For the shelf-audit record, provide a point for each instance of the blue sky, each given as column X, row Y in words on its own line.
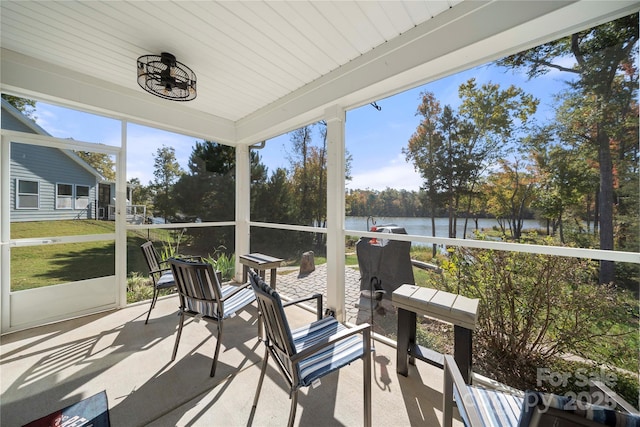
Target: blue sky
column 374, row 138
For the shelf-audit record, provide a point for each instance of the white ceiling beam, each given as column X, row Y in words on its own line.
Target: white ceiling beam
column 50, row 83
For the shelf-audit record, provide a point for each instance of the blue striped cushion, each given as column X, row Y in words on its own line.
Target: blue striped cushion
column 496, row 409
column 233, row 304
column 166, row 280
column 599, row 414
column 329, row 359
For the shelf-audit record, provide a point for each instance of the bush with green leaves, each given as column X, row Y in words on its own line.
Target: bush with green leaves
column 537, row 308
column 222, row 262
column 171, row 246
column 139, row 288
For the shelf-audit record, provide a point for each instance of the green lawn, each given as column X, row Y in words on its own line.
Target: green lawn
column 36, row 266
column 26, row 230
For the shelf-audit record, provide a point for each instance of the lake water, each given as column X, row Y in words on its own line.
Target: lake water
column 422, row 226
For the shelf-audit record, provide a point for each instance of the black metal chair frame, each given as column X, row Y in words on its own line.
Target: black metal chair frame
column 271, row 310
column 156, row 270
column 198, row 283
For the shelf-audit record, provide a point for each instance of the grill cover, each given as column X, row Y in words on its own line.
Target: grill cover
column 388, row 260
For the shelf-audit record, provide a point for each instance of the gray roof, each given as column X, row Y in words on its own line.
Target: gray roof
column 37, row 129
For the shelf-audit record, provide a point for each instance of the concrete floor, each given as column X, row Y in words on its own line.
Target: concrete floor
column 50, row 367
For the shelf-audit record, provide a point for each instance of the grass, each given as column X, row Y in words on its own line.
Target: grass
column 33, row 229
column 46, row 265
column 37, row 266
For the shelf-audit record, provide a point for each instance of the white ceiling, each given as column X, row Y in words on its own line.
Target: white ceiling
column 263, row 67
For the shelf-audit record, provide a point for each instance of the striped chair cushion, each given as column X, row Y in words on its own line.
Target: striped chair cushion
column 331, row 357
column 166, row 280
column 496, row 409
column 580, row 410
column 233, row 304
column 502, row 409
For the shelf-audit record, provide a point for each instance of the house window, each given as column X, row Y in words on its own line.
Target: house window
column 28, row 194
column 64, row 196
column 82, row 196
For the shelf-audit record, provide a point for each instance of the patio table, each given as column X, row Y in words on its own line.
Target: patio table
column 260, row 263
column 411, row 300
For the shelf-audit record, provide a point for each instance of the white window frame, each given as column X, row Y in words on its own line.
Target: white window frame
column 67, row 198
column 83, row 199
column 19, row 194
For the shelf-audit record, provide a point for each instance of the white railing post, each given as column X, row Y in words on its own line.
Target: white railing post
column 121, row 219
column 5, row 235
column 335, row 118
column 243, row 205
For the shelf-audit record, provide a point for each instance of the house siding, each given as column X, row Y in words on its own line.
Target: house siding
column 48, row 166
column 10, row 122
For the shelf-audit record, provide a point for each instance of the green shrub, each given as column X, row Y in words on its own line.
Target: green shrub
column 222, row 262
column 139, row 288
column 171, row 247
column 535, row 309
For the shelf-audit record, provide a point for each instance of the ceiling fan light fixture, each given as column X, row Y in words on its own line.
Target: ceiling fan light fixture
column 162, row 75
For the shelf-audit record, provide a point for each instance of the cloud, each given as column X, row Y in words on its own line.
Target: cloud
column 397, row 174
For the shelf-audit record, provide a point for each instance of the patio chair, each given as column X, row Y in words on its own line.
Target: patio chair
column 202, row 297
column 306, row 354
column 479, row 407
column 159, row 271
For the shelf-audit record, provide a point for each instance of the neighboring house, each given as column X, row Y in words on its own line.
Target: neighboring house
column 49, row 183
column 136, row 214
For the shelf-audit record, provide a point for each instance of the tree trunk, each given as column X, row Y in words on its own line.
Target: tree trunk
column 588, row 211
column 561, row 228
column 596, row 213
column 433, row 232
column 607, row 268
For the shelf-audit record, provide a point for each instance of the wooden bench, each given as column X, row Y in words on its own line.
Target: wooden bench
column 412, row 300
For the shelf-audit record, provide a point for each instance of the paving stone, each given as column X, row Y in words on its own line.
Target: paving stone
column 291, row 285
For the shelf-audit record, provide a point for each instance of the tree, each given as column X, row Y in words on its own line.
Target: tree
column 453, row 167
column 207, row 192
column 25, row 106
column 423, row 148
column 452, row 150
column 308, row 175
column 510, row 192
column 141, row 194
column 564, row 167
column 301, row 140
column 101, row 162
column 166, row 172
column 208, row 156
column 490, row 117
column 601, row 54
column 274, row 198
column 204, row 195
